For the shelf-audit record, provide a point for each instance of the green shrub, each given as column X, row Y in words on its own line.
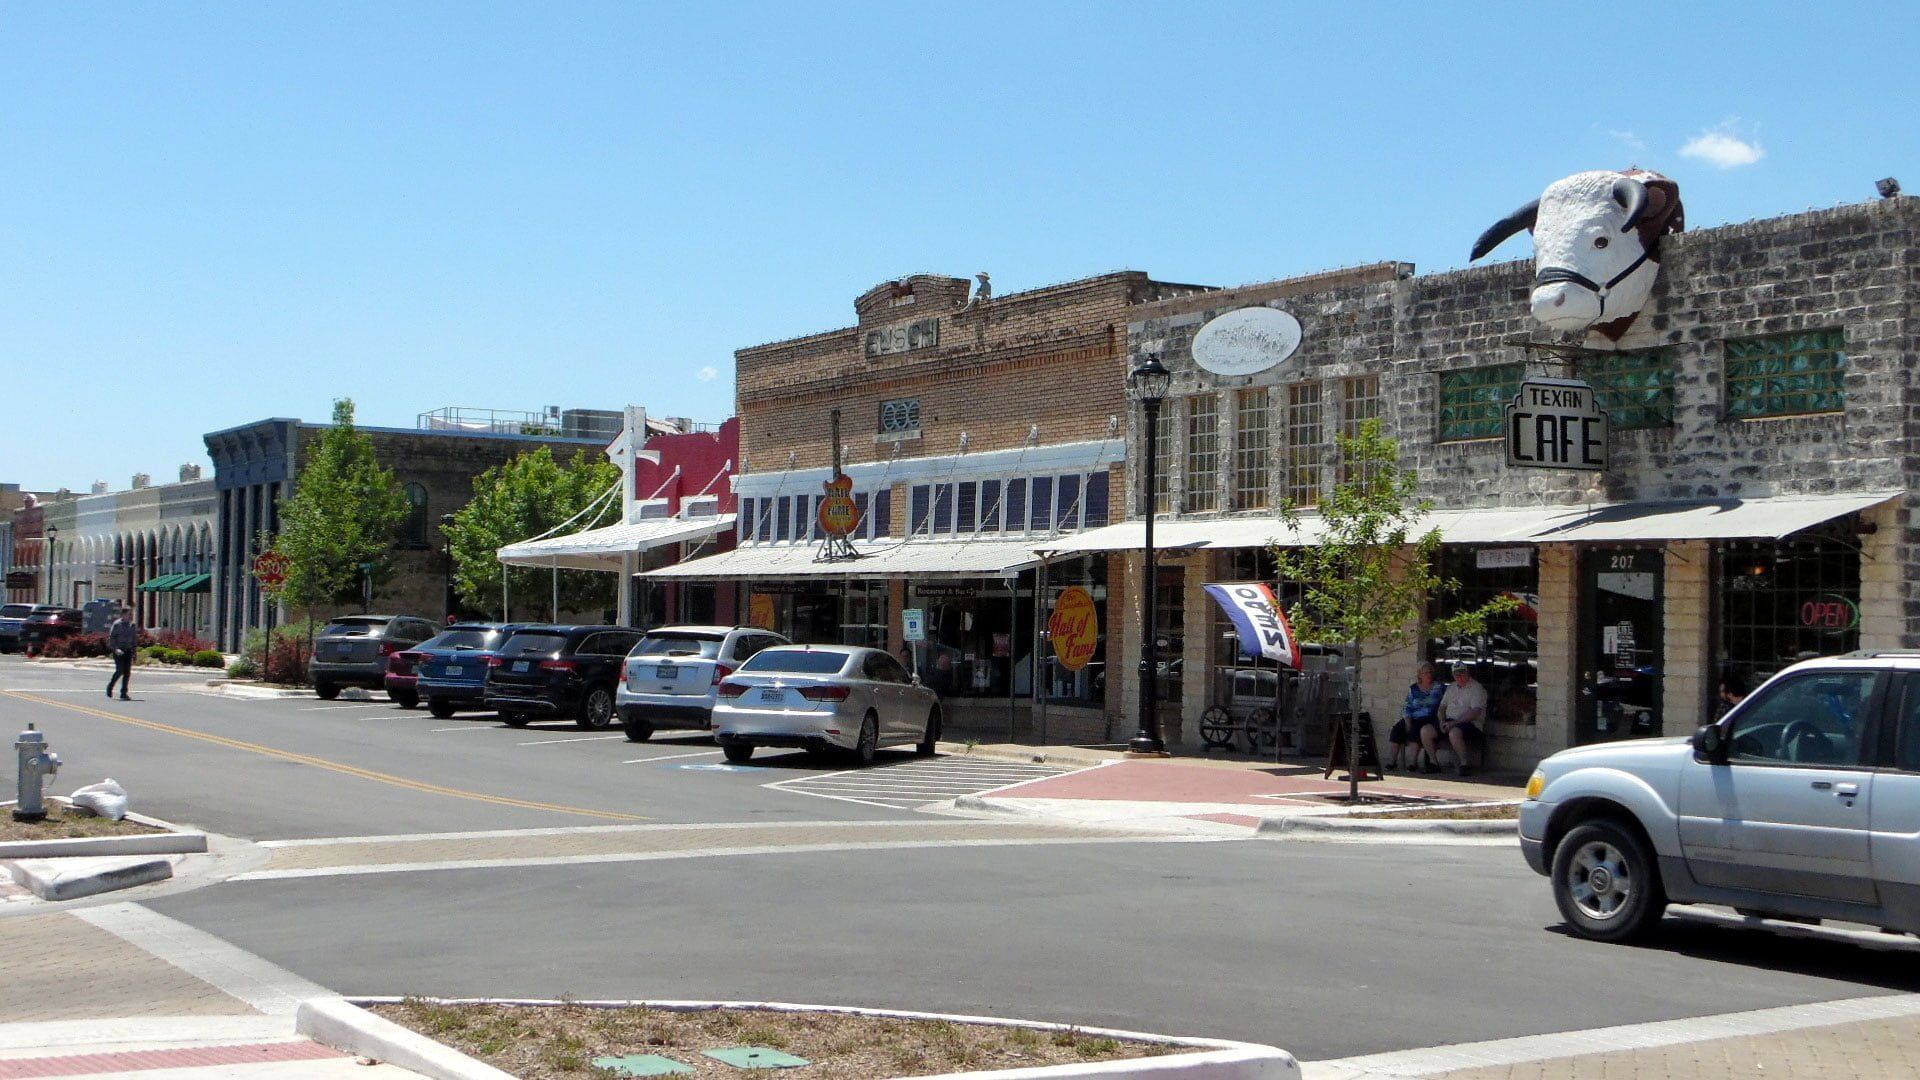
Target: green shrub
column 243, row 668
column 210, row 658
column 168, row 655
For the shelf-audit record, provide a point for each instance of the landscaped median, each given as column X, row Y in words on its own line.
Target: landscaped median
column 70, row 855
column 1456, row 823
column 556, row 1040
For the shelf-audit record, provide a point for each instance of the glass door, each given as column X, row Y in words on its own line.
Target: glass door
column 1621, row 659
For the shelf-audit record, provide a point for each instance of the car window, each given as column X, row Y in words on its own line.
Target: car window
column 794, row 661
column 353, row 627
column 16, row 611
column 1906, row 754
column 463, row 639
column 419, row 629
column 620, row 643
column 895, row 671
column 536, row 644
column 1819, row 718
column 749, row 644
column 595, row 644
column 687, row 645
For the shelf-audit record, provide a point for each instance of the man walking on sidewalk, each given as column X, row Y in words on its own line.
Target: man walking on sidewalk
column 122, row 638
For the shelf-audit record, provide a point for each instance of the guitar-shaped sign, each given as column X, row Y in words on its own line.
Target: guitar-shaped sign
column 839, row 514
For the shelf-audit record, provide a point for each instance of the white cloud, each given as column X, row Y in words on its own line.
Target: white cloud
column 1723, row 148
column 708, row 373
column 1628, row 139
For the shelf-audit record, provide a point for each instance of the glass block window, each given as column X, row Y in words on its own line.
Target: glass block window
column 1305, row 443
column 1634, row 388
column 1203, row 453
column 1165, row 452
column 1251, row 441
column 1786, row 374
column 1473, row 401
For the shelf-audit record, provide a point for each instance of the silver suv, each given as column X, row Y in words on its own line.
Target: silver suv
column 669, row 678
column 1803, row 803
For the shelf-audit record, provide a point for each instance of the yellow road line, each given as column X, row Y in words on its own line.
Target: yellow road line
column 322, row 763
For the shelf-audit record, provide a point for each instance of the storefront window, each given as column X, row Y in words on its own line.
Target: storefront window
column 1087, row 686
column 1169, row 632
column 1789, row 600
column 1505, row 658
column 971, row 626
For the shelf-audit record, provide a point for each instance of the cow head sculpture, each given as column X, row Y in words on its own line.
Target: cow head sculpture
column 1596, row 247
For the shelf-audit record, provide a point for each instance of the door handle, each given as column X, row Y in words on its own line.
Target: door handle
column 1846, row 791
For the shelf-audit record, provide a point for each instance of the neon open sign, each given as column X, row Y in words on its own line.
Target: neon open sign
column 1830, row 614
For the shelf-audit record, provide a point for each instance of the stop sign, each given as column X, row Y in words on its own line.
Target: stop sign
column 270, row 567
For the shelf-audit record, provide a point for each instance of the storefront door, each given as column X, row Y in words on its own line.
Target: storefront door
column 1621, row 659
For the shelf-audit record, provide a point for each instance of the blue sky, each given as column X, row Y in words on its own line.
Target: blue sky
column 214, row 213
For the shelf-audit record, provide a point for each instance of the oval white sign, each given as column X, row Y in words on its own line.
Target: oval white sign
column 1245, row 341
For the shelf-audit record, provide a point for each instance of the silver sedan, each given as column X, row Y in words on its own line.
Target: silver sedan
column 824, row 698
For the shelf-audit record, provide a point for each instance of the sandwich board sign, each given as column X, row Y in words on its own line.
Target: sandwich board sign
column 1556, row 424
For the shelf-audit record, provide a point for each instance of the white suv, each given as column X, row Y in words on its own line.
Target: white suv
column 1803, row 802
column 670, row 676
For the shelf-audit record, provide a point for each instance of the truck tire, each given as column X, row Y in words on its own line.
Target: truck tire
column 1607, row 883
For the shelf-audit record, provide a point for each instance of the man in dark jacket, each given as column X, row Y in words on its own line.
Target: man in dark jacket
column 122, row 638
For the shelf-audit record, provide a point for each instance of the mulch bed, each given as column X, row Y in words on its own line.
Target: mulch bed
column 1508, row 812
column 64, row 824
column 561, row 1042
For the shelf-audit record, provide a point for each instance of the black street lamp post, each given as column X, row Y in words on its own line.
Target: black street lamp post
column 446, row 550
column 52, row 533
column 1147, row 384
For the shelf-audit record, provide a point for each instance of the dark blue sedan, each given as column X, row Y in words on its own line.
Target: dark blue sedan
column 452, row 666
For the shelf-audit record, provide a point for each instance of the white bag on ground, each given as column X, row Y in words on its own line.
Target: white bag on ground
column 106, row 798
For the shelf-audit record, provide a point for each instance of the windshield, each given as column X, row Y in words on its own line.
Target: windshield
column 796, row 661
column 533, row 645
column 463, row 639
column 16, row 611
column 706, row 648
column 352, row 627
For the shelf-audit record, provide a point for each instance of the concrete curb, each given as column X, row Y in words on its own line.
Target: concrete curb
column 1038, row 755
column 344, row 1025
column 175, row 840
column 253, row 692
column 71, row 878
column 1390, row 830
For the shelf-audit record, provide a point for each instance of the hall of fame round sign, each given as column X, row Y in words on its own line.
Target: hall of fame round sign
column 1246, row 341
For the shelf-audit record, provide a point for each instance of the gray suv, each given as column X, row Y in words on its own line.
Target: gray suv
column 353, row 650
column 1802, row 803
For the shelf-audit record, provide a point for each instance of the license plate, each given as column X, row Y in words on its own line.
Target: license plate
column 666, row 671
column 773, row 695
column 453, row 671
column 523, row 665
column 342, row 650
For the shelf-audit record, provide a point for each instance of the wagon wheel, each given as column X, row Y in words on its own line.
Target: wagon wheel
column 1217, row 727
column 1261, row 728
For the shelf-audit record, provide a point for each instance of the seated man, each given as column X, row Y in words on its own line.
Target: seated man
column 1421, row 711
column 1462, row 712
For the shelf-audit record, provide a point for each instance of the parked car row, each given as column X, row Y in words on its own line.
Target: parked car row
column 749, row 686
column 28, row 626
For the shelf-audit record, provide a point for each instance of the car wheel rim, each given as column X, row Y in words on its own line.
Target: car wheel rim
column 1599, row 880
column 599, row 711
column 869, row 737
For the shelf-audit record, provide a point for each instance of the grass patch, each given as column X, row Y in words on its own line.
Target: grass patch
column 1507, row 812
column 561, row 1042
column 63, row 823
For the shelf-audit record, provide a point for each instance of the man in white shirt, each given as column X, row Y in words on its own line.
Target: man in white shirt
column 1462, row 712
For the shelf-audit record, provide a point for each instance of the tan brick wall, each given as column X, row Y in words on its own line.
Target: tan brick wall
column 1685, row 669
column 1883, row 617
column 1557, row 666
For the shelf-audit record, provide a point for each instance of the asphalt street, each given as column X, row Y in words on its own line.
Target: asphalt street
column 1329, row 951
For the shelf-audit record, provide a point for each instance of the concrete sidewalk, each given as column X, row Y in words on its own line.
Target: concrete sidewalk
column 121, row 991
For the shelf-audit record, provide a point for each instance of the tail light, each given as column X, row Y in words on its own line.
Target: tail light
column 388, row 648
column 557, row 665
column 720, row 671
column 824, row 693
column 496, row 661
column 732, row 689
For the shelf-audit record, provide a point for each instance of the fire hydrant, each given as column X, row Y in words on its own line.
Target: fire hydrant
column 36, row 764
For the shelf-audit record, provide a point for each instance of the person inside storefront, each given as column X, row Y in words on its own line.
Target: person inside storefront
column 1461, row 713
column 1421, row 711
column 1733, row 690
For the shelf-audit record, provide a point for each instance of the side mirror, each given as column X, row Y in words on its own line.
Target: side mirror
column 1709, row 742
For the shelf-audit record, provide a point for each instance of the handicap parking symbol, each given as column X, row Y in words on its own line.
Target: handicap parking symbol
column 713, row 766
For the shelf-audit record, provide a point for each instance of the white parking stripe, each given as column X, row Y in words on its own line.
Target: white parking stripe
column 915, row 784
column 672, row 757
column 576, row 738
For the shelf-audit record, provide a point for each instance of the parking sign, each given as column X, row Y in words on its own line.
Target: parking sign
column 913, row 624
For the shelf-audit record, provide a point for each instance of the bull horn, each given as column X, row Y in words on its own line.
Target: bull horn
column 1519, row 220
column 1631, row 194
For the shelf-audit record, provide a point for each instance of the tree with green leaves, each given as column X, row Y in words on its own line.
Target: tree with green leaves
column 519, row 500
column 1368, row 580
column 338, row 528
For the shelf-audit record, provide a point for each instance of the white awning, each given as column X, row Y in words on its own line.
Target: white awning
column 1490, row 526
column 1771, row 518
column 602, row 549
column 879, row 559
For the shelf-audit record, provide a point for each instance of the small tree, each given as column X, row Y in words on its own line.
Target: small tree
column 345, row 513
column 1368, row 579
column 520, row 500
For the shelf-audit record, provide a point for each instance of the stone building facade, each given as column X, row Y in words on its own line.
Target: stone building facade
column 256, row 466
column 975, row 429
column 1755, row 507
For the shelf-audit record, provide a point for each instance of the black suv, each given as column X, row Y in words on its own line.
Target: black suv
column 559, row 671
column 353, row 650
column 47, row 623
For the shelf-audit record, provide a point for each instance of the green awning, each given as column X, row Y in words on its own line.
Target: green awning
column 194, row 583
column 162, row 583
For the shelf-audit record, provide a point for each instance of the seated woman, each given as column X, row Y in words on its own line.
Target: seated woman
column 1422, row 708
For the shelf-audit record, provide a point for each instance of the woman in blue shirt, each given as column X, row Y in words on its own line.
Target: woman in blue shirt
column 1422, row 708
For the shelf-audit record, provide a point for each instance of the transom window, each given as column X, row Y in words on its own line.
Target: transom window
column 900, row 414
column 1203, row 453
column 1025, row 504
column 1473, row 401
column 1634, row 388
column 1250, row 449
column 1786, row 374
column 771, row 518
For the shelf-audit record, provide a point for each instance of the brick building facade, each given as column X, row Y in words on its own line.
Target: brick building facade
column 1756, row 505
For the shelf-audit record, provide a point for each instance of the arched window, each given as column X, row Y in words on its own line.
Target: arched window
column 413, row 533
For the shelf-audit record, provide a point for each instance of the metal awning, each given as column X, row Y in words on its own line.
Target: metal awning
column 1771, row 518
column 879, row 559
column 192, row 583
column 163, row 583
column 603, row 549
column 1490, row 526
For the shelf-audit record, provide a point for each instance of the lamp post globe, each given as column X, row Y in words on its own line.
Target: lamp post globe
column 1148, row 384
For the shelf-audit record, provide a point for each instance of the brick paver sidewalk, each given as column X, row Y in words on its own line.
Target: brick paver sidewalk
column 1868, row 1050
